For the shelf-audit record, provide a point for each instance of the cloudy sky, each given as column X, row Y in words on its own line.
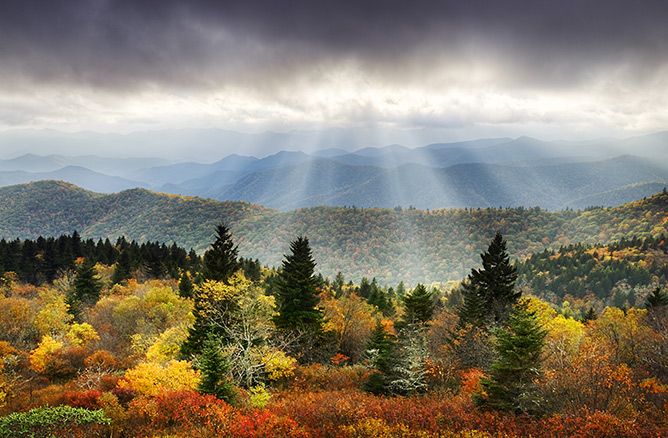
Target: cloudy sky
column 557, row 69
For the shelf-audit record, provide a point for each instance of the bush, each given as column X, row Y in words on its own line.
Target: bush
column 56, row 421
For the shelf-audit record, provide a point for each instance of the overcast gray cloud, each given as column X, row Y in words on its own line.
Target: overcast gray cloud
column 298, row 63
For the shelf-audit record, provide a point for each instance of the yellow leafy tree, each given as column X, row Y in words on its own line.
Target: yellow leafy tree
column 80, row 335
column 152, row 378
column 168, row 345
column 40, row 355
column 351, row 319
column 54, row 317
column 278, row 365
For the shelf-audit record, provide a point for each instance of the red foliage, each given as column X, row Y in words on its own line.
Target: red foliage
column 83, row 399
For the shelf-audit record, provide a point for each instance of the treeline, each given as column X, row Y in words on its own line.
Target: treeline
column 581, row 270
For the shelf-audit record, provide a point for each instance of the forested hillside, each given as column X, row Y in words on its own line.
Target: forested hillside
column 389, row 244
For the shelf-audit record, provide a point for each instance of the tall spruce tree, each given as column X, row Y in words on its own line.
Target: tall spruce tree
column 221, row 260
column 220, row 263
column 489, row 293
column 123, row 269
column 296, row 291
column 419, row 305
column 86, row 290
column 381, row 350
column 510, row 386
column 186, row 288
column 215, row 368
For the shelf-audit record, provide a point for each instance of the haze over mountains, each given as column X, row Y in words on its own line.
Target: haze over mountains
column 392, row 245
column 487, row 172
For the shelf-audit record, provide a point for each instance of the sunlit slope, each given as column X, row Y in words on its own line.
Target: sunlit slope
column 393, row 245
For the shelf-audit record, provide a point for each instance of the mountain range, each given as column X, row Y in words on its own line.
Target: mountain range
column 390, row 244
column 479, row 173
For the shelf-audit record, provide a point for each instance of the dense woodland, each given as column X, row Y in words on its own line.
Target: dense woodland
column 392, row 245
column 145, row 339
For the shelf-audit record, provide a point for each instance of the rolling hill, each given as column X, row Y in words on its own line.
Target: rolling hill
column 391, row 244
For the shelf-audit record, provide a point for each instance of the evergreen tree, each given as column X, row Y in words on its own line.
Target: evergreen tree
column 419, row 306
column 221, row 261
column 296, row 291
column 381, row 350
column 589, row 316
column 657, row 298
column 493, row 286
column 339, row 281
column 87, row 287
column 510, row 386
column 401, row 289
column 186, row 288
column 215, row 368
column 123, row 269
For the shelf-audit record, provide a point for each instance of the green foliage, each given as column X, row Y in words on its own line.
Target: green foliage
column 511, row 384
column 381, row 350
column 419, row 306
column 579, row 270
column 221, row 261
column 215, row 369
column 489, row 293
column 46, row 421
column 296, row 291
column 657, row 298
column 123, row 269
column 186, row 288
column 87, row 287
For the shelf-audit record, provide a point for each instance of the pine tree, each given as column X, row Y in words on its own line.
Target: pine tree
column 381, row 350
column 589, row 316
column 510, row 386
column 87, row 287
column 419, row 306
column 657, row 298
column 296, row 291
column 221, row 261
column 186, row 288
column 493, row 285
column 215, row 368
column 123, row 269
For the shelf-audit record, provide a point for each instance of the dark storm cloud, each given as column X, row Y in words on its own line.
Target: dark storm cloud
column 128, row 45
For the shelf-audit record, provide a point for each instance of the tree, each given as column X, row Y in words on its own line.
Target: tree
column 215, row 368
column 123, row 270
column 296, row 291
column 221, row 261
column 186, row 289
column 381, row 351
column 87, row 287
column 510, row 386
column 419, row 306
column 489, row 293
column 657, row 298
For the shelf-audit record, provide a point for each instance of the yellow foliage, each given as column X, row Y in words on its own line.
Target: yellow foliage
column 259, row 397
column 54, row 317
column 80, row 335
column 151, row 378
column 279, row 365
column 544, row 312
column 168, row 345
column 41, row 354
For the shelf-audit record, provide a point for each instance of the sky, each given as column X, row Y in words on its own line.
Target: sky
column 569, row 69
